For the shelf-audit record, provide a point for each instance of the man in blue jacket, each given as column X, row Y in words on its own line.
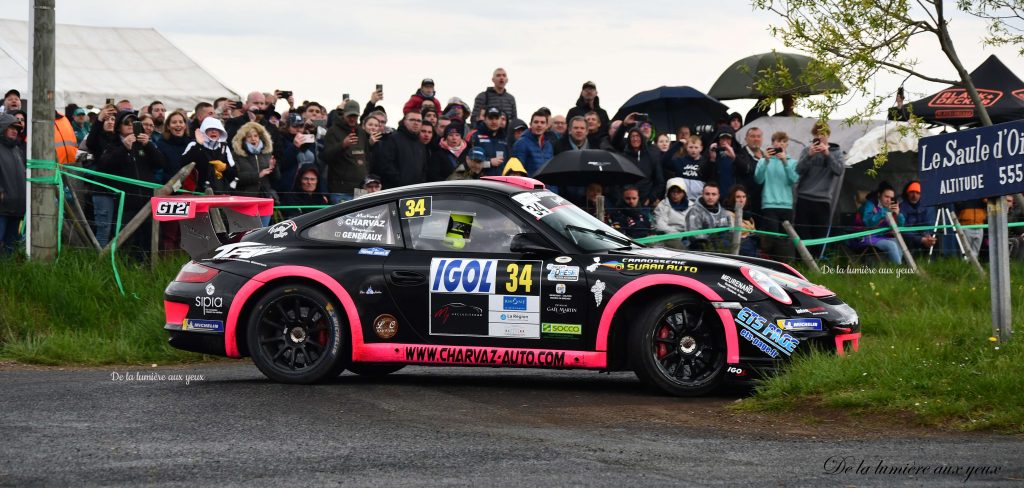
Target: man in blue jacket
column 490, row 137
column 533, row 149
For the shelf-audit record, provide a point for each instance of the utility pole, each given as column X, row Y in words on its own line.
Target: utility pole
column 42, row 240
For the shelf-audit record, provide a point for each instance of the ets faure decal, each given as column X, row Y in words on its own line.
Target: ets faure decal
column 562, row 272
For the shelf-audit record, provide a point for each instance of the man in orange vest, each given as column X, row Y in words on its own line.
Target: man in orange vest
column 65, row 143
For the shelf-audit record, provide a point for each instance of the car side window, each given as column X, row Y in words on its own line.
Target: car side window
column 460, row 223
column 376, row 226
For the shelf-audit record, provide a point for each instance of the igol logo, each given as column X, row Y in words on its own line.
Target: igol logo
column 462, row 275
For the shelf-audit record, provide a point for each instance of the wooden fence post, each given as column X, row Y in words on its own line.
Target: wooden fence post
column 800, row 247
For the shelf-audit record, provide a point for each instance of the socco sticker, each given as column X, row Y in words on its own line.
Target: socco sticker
column 385, row 326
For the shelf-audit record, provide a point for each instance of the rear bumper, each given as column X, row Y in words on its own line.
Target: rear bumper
column 201, row 342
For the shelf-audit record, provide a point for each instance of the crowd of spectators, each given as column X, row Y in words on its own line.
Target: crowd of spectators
column 307, row 155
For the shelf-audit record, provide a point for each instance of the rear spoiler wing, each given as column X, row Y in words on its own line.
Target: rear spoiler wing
column 198, row 234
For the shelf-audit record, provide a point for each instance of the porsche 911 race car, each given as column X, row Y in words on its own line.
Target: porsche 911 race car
column 496, row 272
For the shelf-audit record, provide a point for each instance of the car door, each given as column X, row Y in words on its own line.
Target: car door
column 459, row 283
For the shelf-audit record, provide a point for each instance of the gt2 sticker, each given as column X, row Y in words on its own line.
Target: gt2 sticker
column 281, row 229
column 175, row 209
column 415, row 207
column 764, row 335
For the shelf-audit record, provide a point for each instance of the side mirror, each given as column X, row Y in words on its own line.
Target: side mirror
column 531, row 243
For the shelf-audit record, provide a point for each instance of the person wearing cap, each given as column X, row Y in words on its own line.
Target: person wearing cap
column 345, row 154
column 80, row 124
column 495, row 96
column 472, row 168
column 12, row 101
column 372, row 184
column 533, row 148
column 12, row 183
column 425, row 92
column 915, row 215
column 401, row 158
column 296, row 148
column 670, row 213
column 518, row 128
column 589, row 102
column 491, row 137
column 451, row 153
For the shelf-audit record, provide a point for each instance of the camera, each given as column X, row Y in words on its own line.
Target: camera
column 642, row 118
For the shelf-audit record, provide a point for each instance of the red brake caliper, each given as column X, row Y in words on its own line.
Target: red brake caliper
column 663, row 333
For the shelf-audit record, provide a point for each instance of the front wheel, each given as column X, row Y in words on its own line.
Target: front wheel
column 295, row 335
column 679, row 346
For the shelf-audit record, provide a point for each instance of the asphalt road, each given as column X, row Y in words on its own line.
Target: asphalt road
column 446, row 426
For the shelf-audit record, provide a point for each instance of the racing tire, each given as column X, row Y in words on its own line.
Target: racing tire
column 295, row 335
column 374, row 369
column 678, row 346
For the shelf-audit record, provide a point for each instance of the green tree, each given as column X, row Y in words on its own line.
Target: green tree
column 855, row 40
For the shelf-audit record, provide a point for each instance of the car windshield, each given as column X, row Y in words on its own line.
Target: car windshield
column 572, row 222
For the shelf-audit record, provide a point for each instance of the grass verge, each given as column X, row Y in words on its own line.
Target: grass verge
column 925, row 349
column 72, row 313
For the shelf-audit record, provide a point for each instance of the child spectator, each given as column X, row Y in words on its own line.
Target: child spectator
column 777, row 173
column 670, row 214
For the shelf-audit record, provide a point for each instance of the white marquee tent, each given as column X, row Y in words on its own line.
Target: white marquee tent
column 96, row 63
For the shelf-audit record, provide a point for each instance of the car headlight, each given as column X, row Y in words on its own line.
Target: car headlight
column 766, row 284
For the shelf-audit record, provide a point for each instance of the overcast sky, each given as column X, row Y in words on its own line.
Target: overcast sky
column 321, row 49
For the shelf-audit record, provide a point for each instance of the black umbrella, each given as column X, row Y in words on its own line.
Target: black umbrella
column 1000, row 90
column 589, row 166
column 739, row 80
column 670, row 107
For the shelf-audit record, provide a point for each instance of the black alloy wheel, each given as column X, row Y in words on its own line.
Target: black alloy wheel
column 679, row 347
column 295, row 335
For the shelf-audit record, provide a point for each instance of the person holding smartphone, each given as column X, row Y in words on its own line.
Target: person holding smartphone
column 776, row 172
column 345, row 154
column 872, row 215
column 821, row 169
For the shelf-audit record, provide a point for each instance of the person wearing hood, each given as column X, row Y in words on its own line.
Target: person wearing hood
column 589, row 102
column 451, row 153
column 708, row 213
column 457, row 109
column 257, row 168
column 304, row 192
column 490, row 136
column 12, row 183
column 670, row 214
column 401, row 158
column 426, row 92
column 648, row 159
column 345, row 154
column 135, row 157
column 513, row 167
column 215, row 167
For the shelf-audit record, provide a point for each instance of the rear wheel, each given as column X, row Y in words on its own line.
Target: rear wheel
column 679, row 346
column 295, row 335
column 374, row 369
